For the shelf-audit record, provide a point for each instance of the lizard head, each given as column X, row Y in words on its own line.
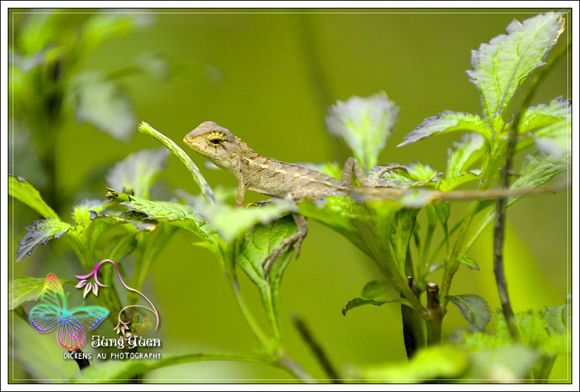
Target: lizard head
column 216, row 143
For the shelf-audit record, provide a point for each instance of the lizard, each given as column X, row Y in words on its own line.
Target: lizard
column 294, row 182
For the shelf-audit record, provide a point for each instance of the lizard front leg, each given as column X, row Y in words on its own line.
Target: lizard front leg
column 295, row 239
column 241, row 192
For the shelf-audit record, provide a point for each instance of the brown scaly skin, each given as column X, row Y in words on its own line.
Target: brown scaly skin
column 267, row 176
column 293, row 182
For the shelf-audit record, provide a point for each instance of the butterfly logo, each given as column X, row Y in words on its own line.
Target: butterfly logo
column 71, row 324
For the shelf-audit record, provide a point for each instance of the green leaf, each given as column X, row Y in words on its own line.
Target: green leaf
column 103, row 103
column 397, row 178
column 447, row 122
column 232, row 222
column 473, row 308
column 422, row 173
column 39, row 353
column 535, row 331
column 365, row 225
column 22, row 190
column 331, row 169
column 364, row 124
column 253, row 249
column 376, row 293
column 545, row 115
column 376, row 289
column 101, row 27
column 40, row 232
column 443, row 211
column 537, row 170
column 400, row 235
column 23, row 290
column 357, row 302
column 180, row 215
column 84, row 211
column 550, row 128
column 452, row 183
column 469, row 262
column 338, row 213
column 182, row 156
column 511, row 363
column 137, row 173
column 430, row 363
column 465, row 153
column 557, row 319
column 38, row 31
column 555, row 141
column 257, row 244
column 501, row 66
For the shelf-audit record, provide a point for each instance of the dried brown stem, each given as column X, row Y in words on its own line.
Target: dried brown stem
column 316, row 349
column 436, row 312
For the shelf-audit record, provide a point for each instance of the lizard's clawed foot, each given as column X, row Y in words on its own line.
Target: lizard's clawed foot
column 379, row 171
column 296, row 240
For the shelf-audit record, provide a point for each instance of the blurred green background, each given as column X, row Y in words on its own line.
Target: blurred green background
column 269, row 76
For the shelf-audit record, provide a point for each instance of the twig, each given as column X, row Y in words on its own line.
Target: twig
column 436, row 313
column 498, row 241
column 316, row 349
column 80, row 359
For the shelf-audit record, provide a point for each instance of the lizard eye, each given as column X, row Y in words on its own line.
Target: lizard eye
column 216, row 138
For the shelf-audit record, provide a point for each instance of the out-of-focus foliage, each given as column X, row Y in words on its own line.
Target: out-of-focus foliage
column 409, row 238
column 365, row 124
column 48, row 82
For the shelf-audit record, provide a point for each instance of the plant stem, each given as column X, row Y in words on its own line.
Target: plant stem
column 412, row 324
column 82, row 362
column 436, row 311
column 248, row 314
column 294, row 369
column 498, row 269
column 316, row 349
column 268, row 301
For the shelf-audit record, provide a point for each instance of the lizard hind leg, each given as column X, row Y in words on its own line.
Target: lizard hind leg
column 378, row 172
column 295, row 239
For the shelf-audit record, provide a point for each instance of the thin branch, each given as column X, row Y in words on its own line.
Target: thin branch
column 316, row 349
column 429, row 196
column 498, row 240
column 80, row 359
column 436, row 312
column 501, row 205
